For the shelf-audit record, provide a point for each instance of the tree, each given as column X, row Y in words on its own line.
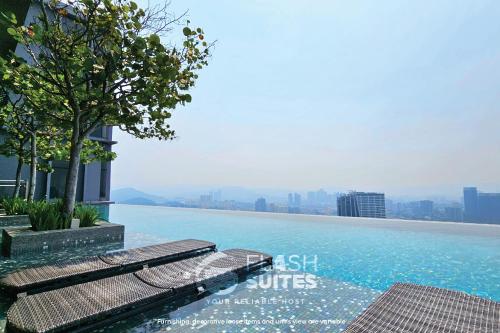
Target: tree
column 21, row 129
column 15, row 138
column 33, row 142
column 102, row 62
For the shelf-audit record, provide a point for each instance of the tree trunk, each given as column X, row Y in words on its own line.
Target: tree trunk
column 34, row 160
column 72, row 176
column 17, row 186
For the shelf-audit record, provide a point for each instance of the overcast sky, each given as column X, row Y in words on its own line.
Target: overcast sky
column 392, row 96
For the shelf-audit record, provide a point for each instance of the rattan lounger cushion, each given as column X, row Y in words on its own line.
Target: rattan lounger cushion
column 59, row 309
column 155, row 251
column 410, row 308
column 36, row 275
column 204, row 268
column 28, row 278
column 62, row 309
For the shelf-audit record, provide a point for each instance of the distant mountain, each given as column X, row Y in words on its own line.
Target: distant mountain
column 138, row 201
column 236, row 193
column 133, row 196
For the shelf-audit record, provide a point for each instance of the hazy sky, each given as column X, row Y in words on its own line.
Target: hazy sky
column 393, row 96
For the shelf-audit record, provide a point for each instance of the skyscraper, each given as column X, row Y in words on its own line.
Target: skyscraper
column 311, row 197
column 470, row 204
column 216, row 195
column 361, row 204
column 481, row 207
column 453, row 214
column 488, row 208
column 297, row 200
column 424, row 209
column 322, row 196
column 294, row 202
column 261, row 205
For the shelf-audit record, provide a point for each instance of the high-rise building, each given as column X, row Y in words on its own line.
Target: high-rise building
column 294, row 202
column 261, row 205
column 216, row 195
column 470, row 204
column 454, row 214
column 361, row 204
column 297, row 200
column 426, row 208
column 322, row 196
column 481, row 207
column 488, row 208
column 311, row 197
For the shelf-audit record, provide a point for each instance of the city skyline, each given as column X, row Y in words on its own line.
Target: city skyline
column 193, row 191
column 476, row 206
column 349, row 95
column 246, row 194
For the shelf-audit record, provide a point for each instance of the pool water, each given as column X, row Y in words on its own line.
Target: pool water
column 372, row 257
column 352, row 261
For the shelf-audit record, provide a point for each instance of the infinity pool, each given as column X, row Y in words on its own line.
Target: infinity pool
column 368, row 253
column 351, row 260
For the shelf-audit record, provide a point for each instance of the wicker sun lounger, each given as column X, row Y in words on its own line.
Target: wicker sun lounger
column 47, row 277
column 91, row 304
column 409, row 308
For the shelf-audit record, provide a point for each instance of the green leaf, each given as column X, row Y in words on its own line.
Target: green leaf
column 154, row 38
column 12, row 31
column 186, row 31
column 8, row 17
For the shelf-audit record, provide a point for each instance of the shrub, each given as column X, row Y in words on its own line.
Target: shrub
column 15, row 206
column 88, row 215
column 44, row 215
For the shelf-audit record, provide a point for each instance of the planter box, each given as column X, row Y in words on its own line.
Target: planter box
column 14, row 221
column 16, row 242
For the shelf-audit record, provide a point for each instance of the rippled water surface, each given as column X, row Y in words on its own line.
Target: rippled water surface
column 351, row 261
column 372, row 257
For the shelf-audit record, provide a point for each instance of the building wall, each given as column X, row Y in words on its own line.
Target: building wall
column 361, row 204
column 347, row 205
column 488, row 207
column 481, row 207
column 94, row 179
column 470, row 204
column 371, row 204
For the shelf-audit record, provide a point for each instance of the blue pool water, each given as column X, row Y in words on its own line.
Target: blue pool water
column 368, row 256
column 352, row 261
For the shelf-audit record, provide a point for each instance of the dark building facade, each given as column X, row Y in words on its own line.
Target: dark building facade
column 361, row 204
column 481, row 207
column 93, row 179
